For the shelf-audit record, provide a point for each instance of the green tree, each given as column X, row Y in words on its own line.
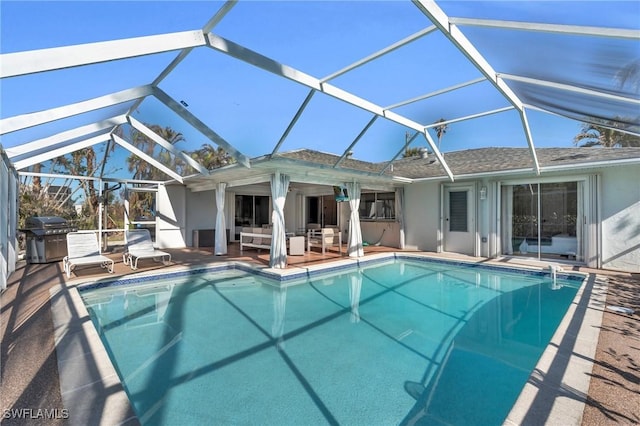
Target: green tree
column 36, row 200
column 143, row 170
column 83, row 162
column 211, row 157
column 412, row 152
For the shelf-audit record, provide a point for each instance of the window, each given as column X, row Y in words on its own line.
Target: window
column 378, row 206
column 458, row 211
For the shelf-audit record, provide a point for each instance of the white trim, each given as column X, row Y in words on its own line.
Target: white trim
column 548, row 28
column 166, row 145
column 48, row 155
column 472, row 207
column 568, row 88
column 239, row 52
column 460, row 41
column 24, row 121
column 381, row 52
column 34, row 61
column 66, row 136
column 200, row 126
column 437, row 92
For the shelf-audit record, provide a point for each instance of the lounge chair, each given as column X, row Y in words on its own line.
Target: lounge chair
column 140, row 246
column 83, row 249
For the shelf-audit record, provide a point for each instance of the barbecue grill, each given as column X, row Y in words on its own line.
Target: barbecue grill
column 46, row 238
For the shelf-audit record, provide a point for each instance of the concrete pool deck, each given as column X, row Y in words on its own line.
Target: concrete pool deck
column 557, row 391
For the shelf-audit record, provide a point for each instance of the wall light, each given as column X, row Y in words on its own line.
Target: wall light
column 483, row 193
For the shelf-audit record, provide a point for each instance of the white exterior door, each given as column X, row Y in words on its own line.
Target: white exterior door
column 459, row 220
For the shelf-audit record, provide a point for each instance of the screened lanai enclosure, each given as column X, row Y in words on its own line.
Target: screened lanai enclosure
column 105, row 106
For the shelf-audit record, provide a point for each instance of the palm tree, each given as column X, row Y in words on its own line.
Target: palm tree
column 440, row 130
column 143, row 170
column 211, row 157
column 629, row 74
column 593, row 135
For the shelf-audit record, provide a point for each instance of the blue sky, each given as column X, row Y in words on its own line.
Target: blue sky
column 251, row 108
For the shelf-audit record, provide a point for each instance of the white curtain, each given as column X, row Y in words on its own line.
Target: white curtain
column 507, row 219
column 579, row 221
column 355, row 287
column 279, row 189
column 221, row 226
column 279, row 306
column 400, row 214
column 354, row 248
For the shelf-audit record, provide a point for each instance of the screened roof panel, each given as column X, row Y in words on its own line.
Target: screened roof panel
column 594, row 62
column 122, row 164
column 29, row 25
column 414, row 69
column 598, row 13
column 326, row 123
column 70, row 129
column 250, row 112
column 320, row 37
column 383, row 141
column 245, row 89
column 582, row 106
column 153, row 112
column 36, row 92
column 463, row 102
column 79, row 163
column 503, row 129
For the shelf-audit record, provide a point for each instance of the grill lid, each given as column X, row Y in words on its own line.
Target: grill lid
column 45, row 222
column 47, row 225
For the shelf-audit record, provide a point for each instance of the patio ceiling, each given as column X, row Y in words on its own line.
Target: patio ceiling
column 260, row 78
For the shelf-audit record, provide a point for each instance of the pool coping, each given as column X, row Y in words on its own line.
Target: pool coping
column 557, row 388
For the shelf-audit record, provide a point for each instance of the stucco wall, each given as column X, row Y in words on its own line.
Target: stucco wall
column 620, row 209
column 422, row 215
column 384, row 233
column 201, row 212
column 171, row 218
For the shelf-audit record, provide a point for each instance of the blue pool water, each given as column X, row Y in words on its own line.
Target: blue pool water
column 400, row 342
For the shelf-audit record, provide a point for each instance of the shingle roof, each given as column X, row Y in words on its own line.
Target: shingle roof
column 477, row 161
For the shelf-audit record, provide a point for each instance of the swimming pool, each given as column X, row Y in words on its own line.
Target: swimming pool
column 399, row 341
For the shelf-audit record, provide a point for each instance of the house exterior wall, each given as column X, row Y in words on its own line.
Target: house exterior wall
column 385, row 233
column 201, row 212
column 171, row 217
column 290, row 216
column 422, row 216
column 181, row 212
column 620, row 215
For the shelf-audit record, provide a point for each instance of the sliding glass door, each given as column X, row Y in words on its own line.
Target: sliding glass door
column 322, row 210
column 542, row 219
column 251, row 211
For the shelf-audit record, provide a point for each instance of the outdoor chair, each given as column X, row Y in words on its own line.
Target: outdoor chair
column 324, row 238
column 139, row 246
column 83, row 249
